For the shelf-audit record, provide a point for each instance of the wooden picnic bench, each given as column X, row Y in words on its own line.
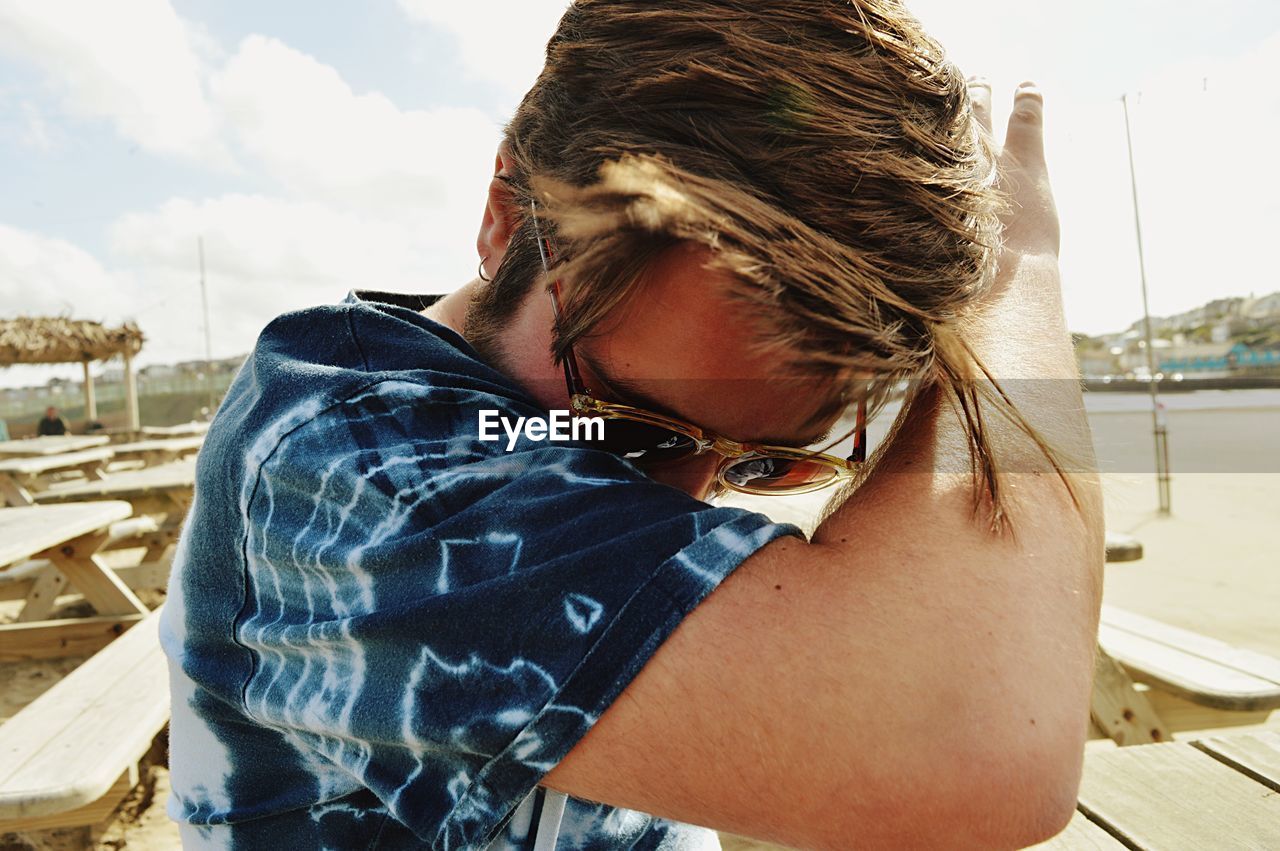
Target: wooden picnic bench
column 128, row 435
column 69, row 537
column 158, row 451
column 69, row 757
column 1121, row 547
column 194, row 427
column 1218, row 792
column 163, row 493
column 1201, row 669
column 53, row 445
column 21, row 478
column 1195, row 682
column 19, row 581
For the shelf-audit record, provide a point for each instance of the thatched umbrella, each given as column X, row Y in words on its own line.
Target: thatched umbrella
column 33, row 339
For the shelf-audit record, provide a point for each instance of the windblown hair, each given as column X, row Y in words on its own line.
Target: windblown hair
column 825, row 151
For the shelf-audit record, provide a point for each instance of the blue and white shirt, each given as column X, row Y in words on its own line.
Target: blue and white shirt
column 382, row 631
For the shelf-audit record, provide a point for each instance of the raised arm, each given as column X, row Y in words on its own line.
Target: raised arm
column 908, row 678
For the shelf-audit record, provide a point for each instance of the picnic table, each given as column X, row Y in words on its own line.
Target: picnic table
column 159, row 450
column 68, row 758
column 69, row 536
column 1121, row 547
column 180, row 430
column 1215, row 792
column 21, row 477
column 162, row 492
column 52, row 445
column 125, row 435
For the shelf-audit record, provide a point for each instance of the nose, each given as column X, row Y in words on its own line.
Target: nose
column 695, row 476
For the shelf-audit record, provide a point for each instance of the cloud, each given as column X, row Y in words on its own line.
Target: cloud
column 265, row 256
column 368, row 195
column 1202, row 136
column 45, row 276
column 128, row 61
column 300, row 121
column 52, row 277
column 504, row 45
column 1207, row 199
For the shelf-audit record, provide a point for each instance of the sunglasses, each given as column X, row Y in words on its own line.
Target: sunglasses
column 648, row 438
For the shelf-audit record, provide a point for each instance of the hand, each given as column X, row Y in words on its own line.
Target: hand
column 1031, row 222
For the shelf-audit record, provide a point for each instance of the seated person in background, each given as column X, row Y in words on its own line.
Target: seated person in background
column 51, row 424
column 720, row 226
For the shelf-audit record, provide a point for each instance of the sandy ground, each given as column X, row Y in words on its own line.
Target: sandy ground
column 1213, row 566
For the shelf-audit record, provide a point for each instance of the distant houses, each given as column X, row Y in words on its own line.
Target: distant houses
column 1226, row 338
column 1211, row 360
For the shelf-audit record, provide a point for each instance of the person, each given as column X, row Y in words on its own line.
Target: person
column 722, row 230
column 51, row 424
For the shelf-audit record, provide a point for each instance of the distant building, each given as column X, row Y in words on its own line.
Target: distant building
column 1266, row 307
column 1212, row 360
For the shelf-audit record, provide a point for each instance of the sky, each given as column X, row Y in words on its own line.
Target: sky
column 318, row 147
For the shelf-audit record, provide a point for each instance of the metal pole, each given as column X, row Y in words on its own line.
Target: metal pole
column 1158, row 429
column 208, row 338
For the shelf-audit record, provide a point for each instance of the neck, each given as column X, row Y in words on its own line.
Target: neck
column 451, row 311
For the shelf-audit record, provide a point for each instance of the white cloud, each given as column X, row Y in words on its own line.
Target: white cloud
column 129, row 61
column 1208, row 197
column 1204, row 140
column 373, row 196
column 44, row 276
column 502, row 43
column 266, row 256
column 301, row 121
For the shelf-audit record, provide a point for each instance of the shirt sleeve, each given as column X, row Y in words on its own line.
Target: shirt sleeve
column 444, row 620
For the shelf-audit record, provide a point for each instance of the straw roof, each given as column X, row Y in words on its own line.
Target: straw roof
column 32, row 339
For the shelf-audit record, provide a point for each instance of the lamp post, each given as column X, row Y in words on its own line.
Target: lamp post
column 1158, row 425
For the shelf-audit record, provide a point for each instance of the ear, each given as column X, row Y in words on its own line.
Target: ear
column 500, row 218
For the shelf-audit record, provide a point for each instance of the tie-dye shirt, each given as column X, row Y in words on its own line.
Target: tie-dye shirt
column 382, row 631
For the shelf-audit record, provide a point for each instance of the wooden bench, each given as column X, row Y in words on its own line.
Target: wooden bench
column 34, row 446
column 1191, row 682
column 1218, row 792
column 1200, row 669
column 69, row 537
column 69, row 757
column 17, row 582
column 20, row 478
column 163, row 492
column 1121, row 547
column 158, row 451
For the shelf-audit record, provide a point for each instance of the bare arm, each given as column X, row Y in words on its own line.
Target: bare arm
column 907, row 679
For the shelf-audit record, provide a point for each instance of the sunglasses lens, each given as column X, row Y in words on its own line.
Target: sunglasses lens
column 642, row 443
column 777, row 475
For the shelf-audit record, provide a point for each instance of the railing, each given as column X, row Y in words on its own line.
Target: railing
column 69, row 397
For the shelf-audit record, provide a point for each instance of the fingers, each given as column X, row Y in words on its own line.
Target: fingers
column 980, row 97
column 1024, row 139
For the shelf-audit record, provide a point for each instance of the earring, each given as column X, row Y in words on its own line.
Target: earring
column 482, row 277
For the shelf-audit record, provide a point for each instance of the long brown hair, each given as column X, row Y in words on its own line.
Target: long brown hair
column 824, row 150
